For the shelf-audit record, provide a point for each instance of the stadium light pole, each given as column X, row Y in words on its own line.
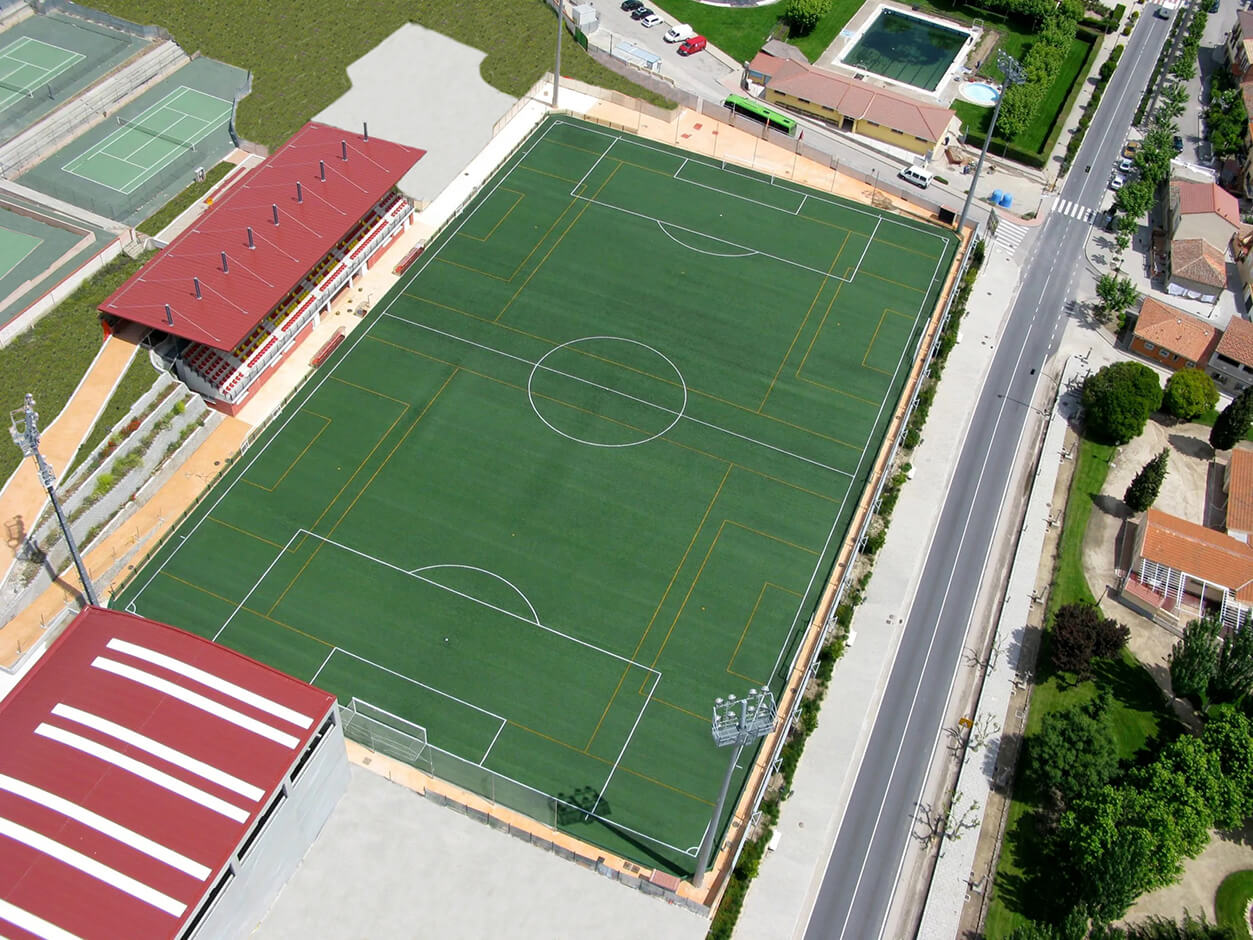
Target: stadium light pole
column 557, row 70
column 24, row 426
column 737, row 722
column 1014, row 75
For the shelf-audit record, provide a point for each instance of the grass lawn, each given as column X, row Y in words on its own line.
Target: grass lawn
column 1232, row 900
column 1210, row 417
column 737, row 31
column 172, row 209
column 50, row 358
column 298, row 50
column 137, row 379
column 1036, row 137
column 1137, row 708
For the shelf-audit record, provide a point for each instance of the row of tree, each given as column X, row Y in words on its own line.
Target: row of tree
column 1041, row 65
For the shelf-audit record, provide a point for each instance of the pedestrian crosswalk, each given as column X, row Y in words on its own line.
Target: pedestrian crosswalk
column 1009, row 235
column 1074, row 210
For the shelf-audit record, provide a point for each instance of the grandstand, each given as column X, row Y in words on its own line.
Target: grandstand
column 236, row 292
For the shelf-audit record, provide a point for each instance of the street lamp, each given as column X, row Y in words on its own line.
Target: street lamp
column 1014, row 75
column 24, row 427
column 737, row 722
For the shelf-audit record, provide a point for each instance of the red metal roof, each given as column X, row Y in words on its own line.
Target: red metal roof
column 256, row 280
column 134, row 758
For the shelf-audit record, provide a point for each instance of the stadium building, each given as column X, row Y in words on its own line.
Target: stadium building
column 235, row 293
column 155, row 784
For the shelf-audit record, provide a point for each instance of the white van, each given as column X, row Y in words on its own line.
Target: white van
column 919, row 177
column 680, row 33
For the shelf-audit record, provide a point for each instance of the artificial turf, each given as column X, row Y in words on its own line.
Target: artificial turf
column 585, row 468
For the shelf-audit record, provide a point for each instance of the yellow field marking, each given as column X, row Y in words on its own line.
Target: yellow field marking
column 680, row 708
column 743, row 633
column 773, row 538
column 517, row 202
column 800, row 329
column 674, row 577
column 553, row 247
column 888, row 280
column 880, row 240
column 666, row 786
column 251, row 535
column 298, row 457
column 878, row 326
column 531, row 169
column 479, row 271
column 368, row 391
column 255, row 613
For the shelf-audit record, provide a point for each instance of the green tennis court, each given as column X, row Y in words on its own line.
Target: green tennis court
column 583, row 470
column 28, row 65
column 14, row 248
column 143, row 146
column 907, row 48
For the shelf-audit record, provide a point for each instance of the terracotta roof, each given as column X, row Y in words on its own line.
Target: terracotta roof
column 1240, row 489
column 1237, row 341
column 1244, row 19
column 853, row 99
column 1197, row 260
column 1203, row 553
column 1176, row 330
column 337, row 192
column 1198, row 198
column 781, row 50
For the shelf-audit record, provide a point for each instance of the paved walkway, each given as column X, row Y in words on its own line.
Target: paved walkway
column 23, row 497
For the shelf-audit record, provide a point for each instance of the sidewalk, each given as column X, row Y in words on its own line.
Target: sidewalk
column 781, row 898
column 23, row 497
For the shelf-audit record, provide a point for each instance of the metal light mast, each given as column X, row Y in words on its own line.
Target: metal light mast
column 1014, row 75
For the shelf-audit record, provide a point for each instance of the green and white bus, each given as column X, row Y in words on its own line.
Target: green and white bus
column 759, row 112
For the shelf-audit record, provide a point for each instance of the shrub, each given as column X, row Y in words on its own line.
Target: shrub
column 1189, row 394
column 803, row 15
column 1118, row 400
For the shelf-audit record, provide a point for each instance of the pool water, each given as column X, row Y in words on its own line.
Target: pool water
column 980, row 93
column 907, row 49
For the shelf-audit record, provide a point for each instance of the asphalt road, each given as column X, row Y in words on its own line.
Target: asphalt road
column 862, row 875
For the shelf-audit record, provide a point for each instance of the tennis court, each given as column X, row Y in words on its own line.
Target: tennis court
column 14, row 248
column 28, row 65
column 583, row 470
column 143, row 146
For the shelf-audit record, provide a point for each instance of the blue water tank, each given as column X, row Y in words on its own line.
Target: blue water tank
column 1007, row 200
column 996, row 197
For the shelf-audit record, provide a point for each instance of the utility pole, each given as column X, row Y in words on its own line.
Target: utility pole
column 736, row 723
column 24, row 427
column 1014, row 75
column 557, row 70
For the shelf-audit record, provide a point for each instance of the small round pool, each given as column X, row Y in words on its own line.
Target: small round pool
column 980, row 93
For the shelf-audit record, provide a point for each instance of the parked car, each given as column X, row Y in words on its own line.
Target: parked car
column 1117, row 181
column 651, row 20
column 680, row 33
column 631, row 5
column 1178, row 144
column 1126, row 165
column 640, row 12
column 1213, row 6
column 695, row 44
column 1130, row 148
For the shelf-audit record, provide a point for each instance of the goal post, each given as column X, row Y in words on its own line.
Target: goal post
column 389, row 734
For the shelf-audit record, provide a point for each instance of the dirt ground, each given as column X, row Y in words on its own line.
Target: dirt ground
column 1192, row 490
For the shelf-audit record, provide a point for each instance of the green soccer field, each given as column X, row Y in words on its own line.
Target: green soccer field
column 584, row 469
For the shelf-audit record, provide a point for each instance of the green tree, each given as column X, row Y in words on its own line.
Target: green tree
column 1118, row 400
column 1116, row 293
column 1155, row 155
column 1190, row 393
column 1102, row 854
column 1233, row 422
column 1172, row 101
column 1233, row 679
column 1194, row 658
column 1143, row 490
column 1082, row 633
column 1228, row 735
column 1184, row 67
column 803, row 15
column 1226, row 118
column 1075, row 752
column 1135, row 198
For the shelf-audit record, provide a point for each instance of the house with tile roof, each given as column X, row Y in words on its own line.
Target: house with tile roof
column 1238, row 484
column 1200, row 219
column 1172, row 338
column 1231, row 365
column 1180, row 570
column 886, row 115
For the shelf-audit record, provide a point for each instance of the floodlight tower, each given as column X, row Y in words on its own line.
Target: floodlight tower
column 737, row 722
column 24, row 426
column 1014, row 75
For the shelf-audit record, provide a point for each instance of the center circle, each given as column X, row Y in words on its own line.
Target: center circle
column 607, row 391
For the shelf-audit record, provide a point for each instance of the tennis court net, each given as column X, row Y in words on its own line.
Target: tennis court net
column 17, row 89
column 123, row 122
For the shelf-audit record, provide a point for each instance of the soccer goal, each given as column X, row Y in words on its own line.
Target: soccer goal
column 381, row 731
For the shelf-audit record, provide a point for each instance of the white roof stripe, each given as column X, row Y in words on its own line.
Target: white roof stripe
column 106, row 826
column 157, row 749
column 89, row 866
column 29, row 922
column 140, row 769
column 196, row 700
column 269, row 706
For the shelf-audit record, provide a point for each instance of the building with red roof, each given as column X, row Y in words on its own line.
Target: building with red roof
column 1231, row 365
column 239, row 288
column 155, row 784
column 1172, row 337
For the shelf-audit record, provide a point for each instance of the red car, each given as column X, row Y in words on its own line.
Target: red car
column 695, row 44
